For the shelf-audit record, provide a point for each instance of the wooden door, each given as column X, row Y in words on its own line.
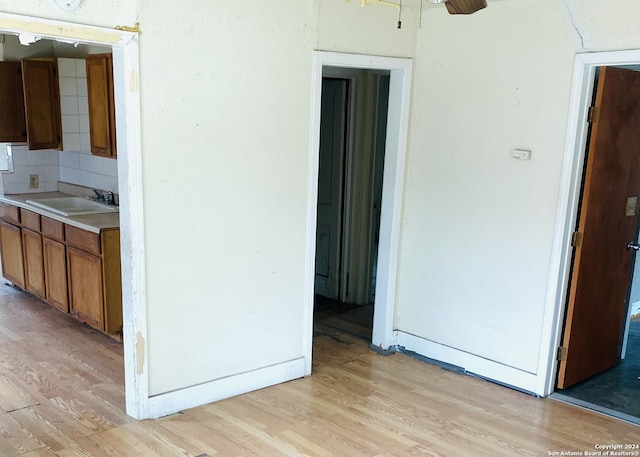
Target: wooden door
column 42, row 104
column 11, row 253
column 608, row 221
column 85, row 287
column 55, row 269
column 12, row 121
column 330, row 186
column 101, row 104
column 33, row 263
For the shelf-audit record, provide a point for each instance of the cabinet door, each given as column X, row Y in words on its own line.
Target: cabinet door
column 12, row 122
column 55, row 273
column 11, row 253
column 42, row 104
column 101, row 104
column 33, row 263
column 85, row 287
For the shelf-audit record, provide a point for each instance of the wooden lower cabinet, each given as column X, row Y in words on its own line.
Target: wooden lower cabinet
column 75, row 270
column 33, row 263
column 95, row 290
column 85, row 287
column 11, row 253
column 55, row 268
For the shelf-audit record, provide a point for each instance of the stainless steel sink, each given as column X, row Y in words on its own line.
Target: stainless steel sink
column 73, row 206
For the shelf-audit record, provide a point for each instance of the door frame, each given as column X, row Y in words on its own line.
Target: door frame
column 124, row 45
column 585, row 66
column 393, row 184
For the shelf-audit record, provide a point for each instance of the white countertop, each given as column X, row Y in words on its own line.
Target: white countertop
column 91, row 222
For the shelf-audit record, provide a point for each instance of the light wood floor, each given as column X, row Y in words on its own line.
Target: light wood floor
column 61, row 394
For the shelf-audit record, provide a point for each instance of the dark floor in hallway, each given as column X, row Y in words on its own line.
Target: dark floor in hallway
column 617, row 389
column 332, row 316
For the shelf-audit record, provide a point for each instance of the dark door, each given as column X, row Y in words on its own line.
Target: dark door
column 597, row 304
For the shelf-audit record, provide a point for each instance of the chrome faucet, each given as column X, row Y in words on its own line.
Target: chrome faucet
column 108, row 198
column 99, row 195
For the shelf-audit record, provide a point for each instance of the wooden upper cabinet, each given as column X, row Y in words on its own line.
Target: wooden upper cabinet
column 12, row 122
column 42, row 103
column 102, row 122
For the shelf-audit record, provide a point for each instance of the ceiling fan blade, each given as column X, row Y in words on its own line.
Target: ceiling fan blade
column 465, row 6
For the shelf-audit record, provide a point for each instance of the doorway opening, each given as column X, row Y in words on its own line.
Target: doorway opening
column 398, row 71
column 353, row 125
column 599, row 357
column 124, row 47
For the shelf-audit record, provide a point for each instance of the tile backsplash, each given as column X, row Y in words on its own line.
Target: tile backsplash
column 74, row 164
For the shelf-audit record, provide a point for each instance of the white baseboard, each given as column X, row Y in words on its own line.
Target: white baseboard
column 173, row 402
column 471, row 363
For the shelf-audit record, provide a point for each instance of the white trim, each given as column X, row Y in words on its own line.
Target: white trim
column 169, row 403
column 471, row 363
column 393, row 184
column 126, row 71
column 50, row 29
column 571, row 180
column 127, row 96
column 391, row 207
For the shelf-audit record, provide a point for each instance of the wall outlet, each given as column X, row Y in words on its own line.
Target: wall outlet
column 33, row 181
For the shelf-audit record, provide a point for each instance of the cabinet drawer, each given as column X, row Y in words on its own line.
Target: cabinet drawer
column 30, row 220
column 81, row 239
column 52, row 229
column 9, row 213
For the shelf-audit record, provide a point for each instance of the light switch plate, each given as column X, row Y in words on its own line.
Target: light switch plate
column 521, row 154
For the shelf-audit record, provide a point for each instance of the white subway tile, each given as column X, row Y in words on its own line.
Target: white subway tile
column 68, row 105
column 67, row 68
column 81, row 68
column 83, row 105
column 71, row 141
column 35, row 158
column 88, row 163
column 85, row 142
column 12, row 188
column 67, row 174
column 51, row 173
column 110, row 167
column 19, row 155
column 19, row 175
column 82, row 87
column 68, row 87
column 70, row 124
column 50, row 186
column 83, row 121
column 69, row 159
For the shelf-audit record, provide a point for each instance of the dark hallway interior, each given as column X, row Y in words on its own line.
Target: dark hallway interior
column 332, row 317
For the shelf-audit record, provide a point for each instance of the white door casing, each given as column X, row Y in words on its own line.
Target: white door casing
column 393, row 182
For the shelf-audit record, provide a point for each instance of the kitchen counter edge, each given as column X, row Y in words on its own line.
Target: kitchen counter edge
column 95, row 223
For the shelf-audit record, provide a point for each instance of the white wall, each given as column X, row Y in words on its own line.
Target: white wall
column 225, row 135
column 479, row 224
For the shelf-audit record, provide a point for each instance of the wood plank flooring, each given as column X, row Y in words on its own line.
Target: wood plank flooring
column 61, row 394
